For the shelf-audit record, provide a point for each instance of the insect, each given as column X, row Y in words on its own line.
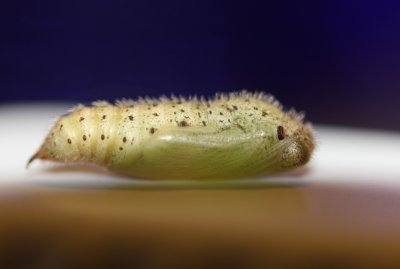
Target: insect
column 233, row 135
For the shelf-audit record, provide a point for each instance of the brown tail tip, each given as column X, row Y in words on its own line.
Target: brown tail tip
column 31, row 159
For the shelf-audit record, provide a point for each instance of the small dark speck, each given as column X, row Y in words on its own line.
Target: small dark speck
column 210, row 112
column 221, row 113
column 281, row 132
column 124, row 139
column 255, row 108
column 183, row 124
column 104, row 117
column 69, row 141
column 61, row 126
column 84, row 137
column 102, row 137
column 204, row 123
column 155, row 114
column 153, row 130
column 130, row 117
column 251, row 114
column 182, row 110
column 121, row 148
column 235, row 107
column 264, row 113
column 81, row 118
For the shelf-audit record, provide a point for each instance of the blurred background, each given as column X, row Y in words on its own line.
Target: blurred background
column 337, row 60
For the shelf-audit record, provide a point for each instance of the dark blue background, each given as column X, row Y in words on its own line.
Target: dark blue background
column 337, row 60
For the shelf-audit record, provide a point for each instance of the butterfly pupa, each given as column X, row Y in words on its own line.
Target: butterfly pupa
column 235, row 135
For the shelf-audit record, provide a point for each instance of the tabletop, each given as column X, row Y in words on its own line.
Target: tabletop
column 342, row 209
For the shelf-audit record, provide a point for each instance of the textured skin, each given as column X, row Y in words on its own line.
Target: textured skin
column 232, row 136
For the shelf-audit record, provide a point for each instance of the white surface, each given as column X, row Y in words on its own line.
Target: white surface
column 349, row 156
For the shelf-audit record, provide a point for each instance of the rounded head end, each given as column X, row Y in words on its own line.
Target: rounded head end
column 299, row 149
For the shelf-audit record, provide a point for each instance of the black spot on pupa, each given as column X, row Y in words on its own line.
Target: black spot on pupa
column 155, row 114
column 255, row 108
column 61, row 126
column 69, row 141
column 264, row 113
column 204, row 123
column 153, row 130
column 281, row 133
column 183, row 124
column 81, row 119
column 121, row 148
column 241, row 128
column 198, row 114
column 210, row 112
column 84, row 137
column 130, row 117
column 235, row 107
column 104, row 117
column 221, row 113
column 251, row 114
column 124, row 139
column 102, row 137
column 179, row 102
column 182, row 110
column 155, row 104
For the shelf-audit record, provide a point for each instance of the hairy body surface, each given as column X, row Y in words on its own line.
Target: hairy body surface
column 233, row 135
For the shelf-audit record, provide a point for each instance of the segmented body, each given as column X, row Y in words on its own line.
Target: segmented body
column 235, row 135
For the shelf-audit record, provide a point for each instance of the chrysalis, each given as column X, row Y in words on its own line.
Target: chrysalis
column 233, row 135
